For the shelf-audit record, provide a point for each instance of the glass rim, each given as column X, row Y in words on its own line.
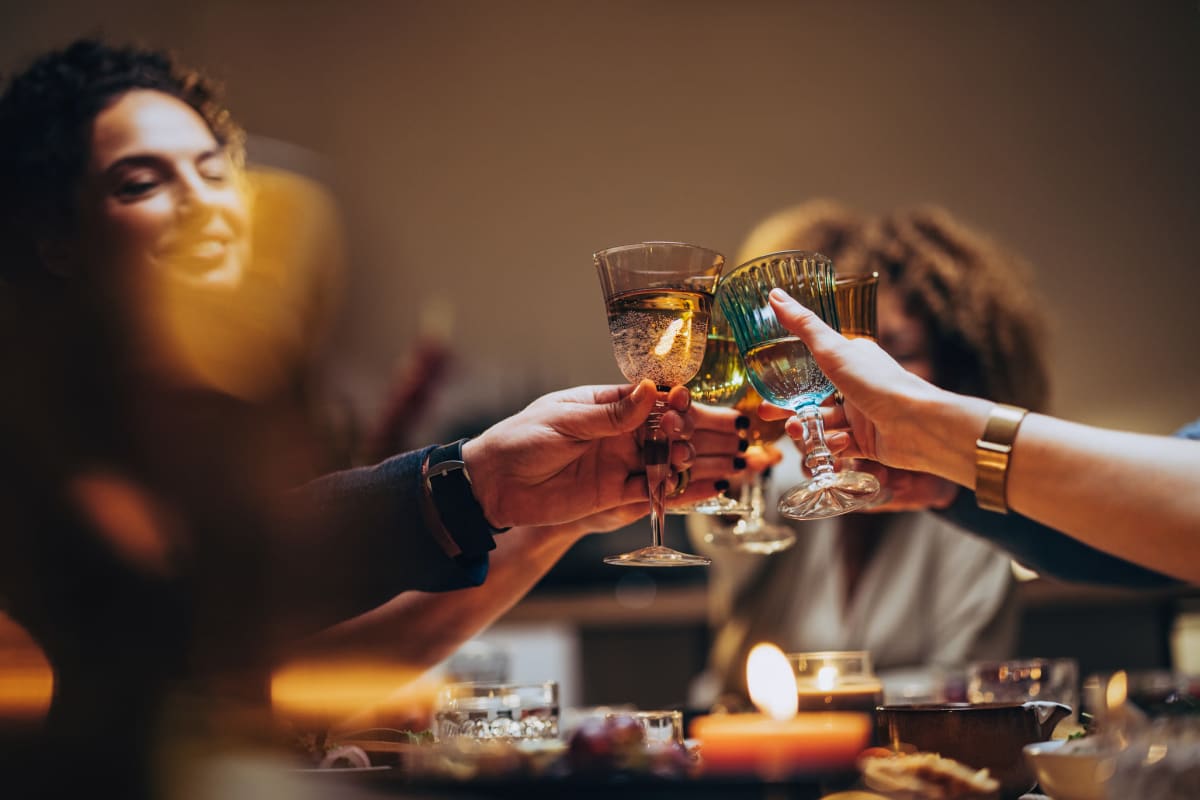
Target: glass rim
column 634, row 246
column 497, row 685
column 793, row 253
column 856, row 279
column 828, row 654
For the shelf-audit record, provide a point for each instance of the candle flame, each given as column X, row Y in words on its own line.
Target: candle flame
column 1116, row 691
column 827, row 678
column 771, row 682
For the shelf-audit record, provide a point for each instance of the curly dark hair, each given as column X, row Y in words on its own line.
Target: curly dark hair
column 986, row 325
column 46, row 115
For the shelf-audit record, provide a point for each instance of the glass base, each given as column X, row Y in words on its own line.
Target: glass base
column 882, row 497
column 830, row 495
column 762, row 540
column 721, row 505
column 657, row 557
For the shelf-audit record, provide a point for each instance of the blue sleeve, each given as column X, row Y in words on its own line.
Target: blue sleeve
column 1053, row 553
column 1189, row 431
column 359, row 537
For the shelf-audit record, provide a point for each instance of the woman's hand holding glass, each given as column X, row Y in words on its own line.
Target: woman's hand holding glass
column 783, row 370
column 875, row 421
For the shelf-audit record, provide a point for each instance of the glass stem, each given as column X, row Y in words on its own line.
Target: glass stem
column 656, row 455
column 754, row 496
column 817, row 458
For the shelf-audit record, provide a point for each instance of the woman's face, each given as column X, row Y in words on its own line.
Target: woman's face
column 161, row 200
column 903, row 336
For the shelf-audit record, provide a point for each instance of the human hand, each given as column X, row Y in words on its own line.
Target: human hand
column 880, row 418
column 575, row 453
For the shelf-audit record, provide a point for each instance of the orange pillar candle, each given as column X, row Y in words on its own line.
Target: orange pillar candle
column 778, row 742
column 755, row 744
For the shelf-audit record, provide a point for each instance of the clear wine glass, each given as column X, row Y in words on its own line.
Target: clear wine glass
column 659, row 297
column 754, row 533
column 856, row 303
column 784, row 372
column 720, row 381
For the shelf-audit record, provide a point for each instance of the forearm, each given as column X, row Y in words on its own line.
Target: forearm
column 419, row 629
column 1132, row 495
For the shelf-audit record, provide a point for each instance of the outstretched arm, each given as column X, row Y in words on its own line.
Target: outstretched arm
column 1132, row 495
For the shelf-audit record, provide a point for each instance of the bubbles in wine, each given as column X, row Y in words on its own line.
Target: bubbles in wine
column 659, row 334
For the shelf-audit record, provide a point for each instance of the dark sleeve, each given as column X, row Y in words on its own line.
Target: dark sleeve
column 1048, row 551
column 359, row 537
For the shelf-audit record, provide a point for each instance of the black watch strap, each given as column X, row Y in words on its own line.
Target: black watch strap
column 448, row 486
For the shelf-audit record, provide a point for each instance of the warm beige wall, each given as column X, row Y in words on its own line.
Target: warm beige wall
column 485, row 149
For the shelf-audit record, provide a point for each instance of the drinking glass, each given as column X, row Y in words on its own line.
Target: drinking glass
column 659, row 297
column 753, row 533
column 497, row 711
column 1023, row 680
column 784, row 372
column 855, row 296
column 720, row 381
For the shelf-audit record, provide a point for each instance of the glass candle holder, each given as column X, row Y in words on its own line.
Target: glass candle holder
column 661, row 727
column 836, row 680
column 484, row 711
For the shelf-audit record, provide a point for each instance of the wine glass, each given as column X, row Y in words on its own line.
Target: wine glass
column 720, row 381
column 856, row 302
column 659, row 297
column 784, row 372
column 753, row 533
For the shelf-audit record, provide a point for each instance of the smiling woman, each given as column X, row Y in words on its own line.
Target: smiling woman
column 169, row 527
column 164, row 192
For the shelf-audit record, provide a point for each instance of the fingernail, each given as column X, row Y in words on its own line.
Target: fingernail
column 743, row 445
column 739, row 462
column 743, row 422
column 721, row 485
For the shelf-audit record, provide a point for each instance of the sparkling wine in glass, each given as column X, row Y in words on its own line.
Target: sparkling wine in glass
column 720, row 381
column 659, row 298
column 784, row 372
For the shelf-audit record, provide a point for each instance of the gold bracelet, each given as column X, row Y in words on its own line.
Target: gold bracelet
column 992, row 451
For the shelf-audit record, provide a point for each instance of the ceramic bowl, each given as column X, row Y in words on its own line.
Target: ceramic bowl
column 1078, row 775
column 982, row 736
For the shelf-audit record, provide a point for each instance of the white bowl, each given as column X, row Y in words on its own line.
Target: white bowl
column 1069, row 775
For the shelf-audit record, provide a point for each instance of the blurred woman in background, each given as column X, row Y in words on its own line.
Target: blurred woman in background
column 904, row 585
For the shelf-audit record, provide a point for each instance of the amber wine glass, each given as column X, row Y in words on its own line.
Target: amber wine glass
column 784, row 372
column 659, row 297
column 856, row 303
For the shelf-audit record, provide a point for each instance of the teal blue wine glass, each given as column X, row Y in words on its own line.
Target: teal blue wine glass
column 659, row 297
column 784, row 372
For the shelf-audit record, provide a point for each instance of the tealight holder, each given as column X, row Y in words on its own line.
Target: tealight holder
column 836, row 680
column 483, row 711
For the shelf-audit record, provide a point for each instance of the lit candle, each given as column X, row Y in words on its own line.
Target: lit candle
column 778, row 741
column 836, row 681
